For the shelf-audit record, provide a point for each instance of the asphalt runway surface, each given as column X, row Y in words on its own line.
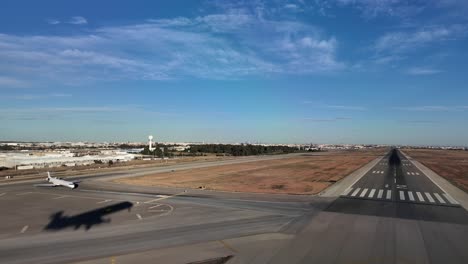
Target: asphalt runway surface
column 100, row 222
column 393, row 214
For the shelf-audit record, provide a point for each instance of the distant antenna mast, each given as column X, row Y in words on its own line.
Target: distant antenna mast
column 151, row 148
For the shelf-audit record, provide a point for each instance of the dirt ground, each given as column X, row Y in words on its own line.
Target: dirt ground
column 307, row 174
column 450, row 164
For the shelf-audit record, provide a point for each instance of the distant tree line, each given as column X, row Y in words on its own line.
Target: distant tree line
column 6, row 147
column 160, row 151
column 241, row 150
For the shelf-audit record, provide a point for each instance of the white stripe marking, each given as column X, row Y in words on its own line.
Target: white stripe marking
column 24, row 229
column 155, row 206
column 356, row 192
column 410, row 195
column 439, row 198
column 23, row 193
column 1, row 194
column 379, row 196
column 402, row 195
column 429, row 197
column 450, row 199
column 363, row 193
column 139, row 216
column 347, row 191
column 60, row 197
column 373, row 172
column 420, row 197
column 105, row 201
column 163, row 197
column 389, row 194
column 417, row 173
column 382, row 172
column 371, row 194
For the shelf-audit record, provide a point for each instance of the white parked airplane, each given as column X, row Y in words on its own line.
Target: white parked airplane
column 58, row 182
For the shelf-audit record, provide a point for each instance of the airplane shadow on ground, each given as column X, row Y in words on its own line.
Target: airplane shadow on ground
column 87, row 219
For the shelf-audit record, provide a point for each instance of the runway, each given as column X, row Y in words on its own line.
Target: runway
column 102, row 222
column 397, row 179
column 387, row 216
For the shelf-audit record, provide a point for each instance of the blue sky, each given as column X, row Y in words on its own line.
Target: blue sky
column 281, row 71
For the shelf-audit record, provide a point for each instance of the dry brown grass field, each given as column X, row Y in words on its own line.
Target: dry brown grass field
column 306, row 174
column 450, row 164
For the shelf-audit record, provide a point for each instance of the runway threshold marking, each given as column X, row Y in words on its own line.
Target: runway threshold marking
column 389, row 195
column 24, row 229
column 411, row 197
column 139, row 216
column 402, row 195
column 439, row 198
column 379, row 196
column 420, row 197
column 363, row 193
column 356, row 192
column 371, row 194
column 449, row 198
column 429, row 197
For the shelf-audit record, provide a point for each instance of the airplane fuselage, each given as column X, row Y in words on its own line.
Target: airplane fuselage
column 60, row 182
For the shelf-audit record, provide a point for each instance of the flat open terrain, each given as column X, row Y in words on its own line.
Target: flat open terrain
column 102, row 168
column 306, row 174
column 450, row 164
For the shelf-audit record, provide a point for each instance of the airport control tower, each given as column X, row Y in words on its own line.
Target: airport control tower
column 150, row 141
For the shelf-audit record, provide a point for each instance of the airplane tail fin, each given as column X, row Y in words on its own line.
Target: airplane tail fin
column 48, row 176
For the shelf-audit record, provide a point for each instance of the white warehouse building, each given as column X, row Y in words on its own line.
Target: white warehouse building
column 30, row 160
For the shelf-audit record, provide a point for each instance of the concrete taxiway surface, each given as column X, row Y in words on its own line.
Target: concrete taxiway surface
column 388, row 212
column 44, row 225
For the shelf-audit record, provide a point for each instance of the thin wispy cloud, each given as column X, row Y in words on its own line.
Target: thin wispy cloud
column 420, row 122
column 346, row 107
column 403, row 41
column 229, row 45
column 53, row 21
column 325, row 120
column 422, row 71
column 59, row 113
column 86, row 112
column 394, row 8
column 35, row 96
column 78, row 20
column 432, row 108
column 335, row 106
column 8, row 82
